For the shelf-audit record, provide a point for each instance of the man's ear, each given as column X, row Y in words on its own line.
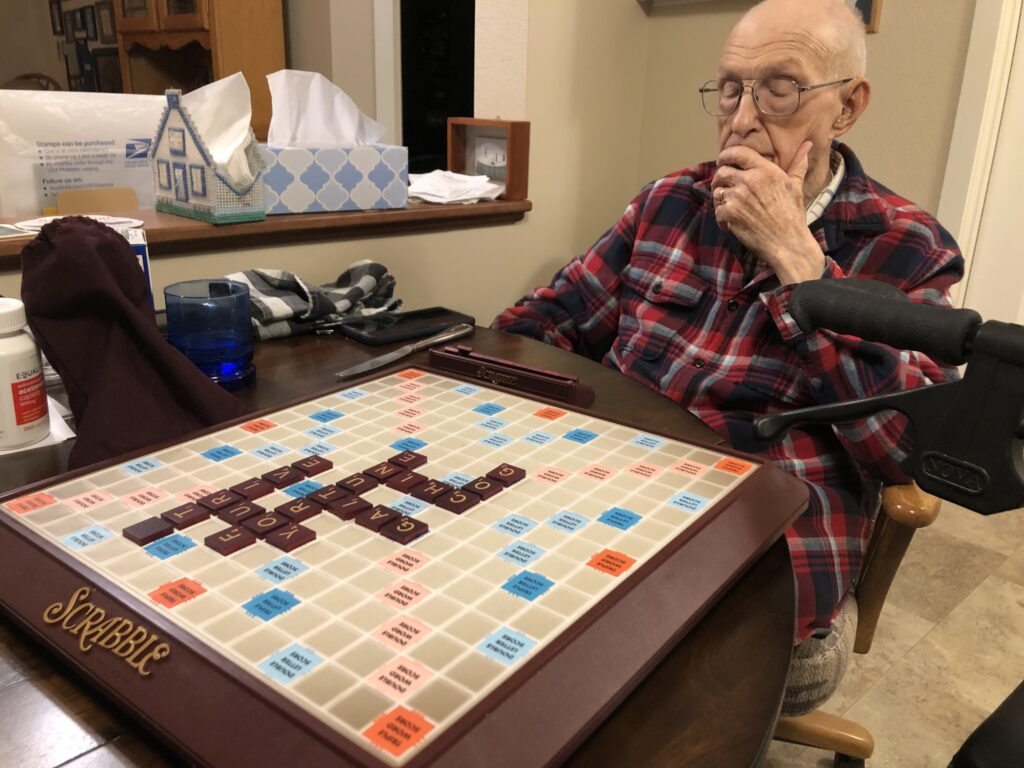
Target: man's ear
column 853, row 106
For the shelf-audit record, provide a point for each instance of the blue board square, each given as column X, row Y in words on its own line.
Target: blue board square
column 408, row 444
column 506, row 646
column 582, row 436
column 221, row 452
column 141, row 466
column 269, row 605
column 514, row 525
column 617, row 517
column 282, row 569
column 291, row 663
column 489, row 409
column 169, row 546
column 691, row 502
column 528, row 585
column 567, row 521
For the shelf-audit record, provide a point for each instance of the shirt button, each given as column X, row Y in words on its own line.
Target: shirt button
column 733, row 305
column 698, row 363
column 656, row 288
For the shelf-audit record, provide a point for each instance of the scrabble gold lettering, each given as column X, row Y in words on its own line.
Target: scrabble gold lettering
column 135, row 644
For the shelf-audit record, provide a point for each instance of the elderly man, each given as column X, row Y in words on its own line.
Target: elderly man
column 688, row 293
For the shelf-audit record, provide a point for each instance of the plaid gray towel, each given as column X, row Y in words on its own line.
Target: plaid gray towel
column 284, row 305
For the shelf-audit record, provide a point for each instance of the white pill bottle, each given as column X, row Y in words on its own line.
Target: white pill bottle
column 24, row 418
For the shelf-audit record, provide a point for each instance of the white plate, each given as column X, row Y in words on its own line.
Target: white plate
column 117, row 222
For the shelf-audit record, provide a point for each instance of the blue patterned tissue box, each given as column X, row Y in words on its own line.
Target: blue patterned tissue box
column 351, row 178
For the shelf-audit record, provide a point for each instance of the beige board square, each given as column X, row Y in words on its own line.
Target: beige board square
column 71, row 489
column 339, row 599
column 437, row 575
column 110, row 549
column 554, row 566
column 231, row 626
column 437, row 651
column 147, row 580
column 66, row 525
column 344, row 566
column 580, row 549
column 591, row 581
column 319, row 551
column 599, row 533
column 672, row 516
column 496, row 570
column 369, row 615
column 545, row 536
column 376, row 547
column 708, row 490
column 131, row 563
column 47, row 515
column 653, row 529
column 301, row 620
column 439, row 700
column 637, row 547
column 310, row 583
column 563, row 600
column 465, row 557
column 197, row 558
column 256, row 555
column 467, row 589
column 436, row 545
column 202, row 609
column 360, row 707
column 257, row 645
column 220, row 572
column 364, row 657
column 349, row 535
column 474, row 671
column 324, row 684
column 332, row 638
column 501, row 605
column 491, row 540
column 537, row 622
column 373, row 579
column 435, row 610
column 472, row 627
column 323, row 524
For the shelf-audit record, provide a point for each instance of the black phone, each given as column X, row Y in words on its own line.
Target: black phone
column 388, row 327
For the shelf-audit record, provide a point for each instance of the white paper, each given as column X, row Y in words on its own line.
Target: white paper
column 222, row 114
column 309, row 111
column 448, row 187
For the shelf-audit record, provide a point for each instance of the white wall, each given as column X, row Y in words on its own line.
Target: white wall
column 29, row 20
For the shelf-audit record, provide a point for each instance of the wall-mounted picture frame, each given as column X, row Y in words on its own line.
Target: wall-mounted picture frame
column 870, row 11
column 69, row 26
column 107, row 64
column 56, row 18
column 498, row 149
column 89, row 21
column 81, row 33
column 106, row 25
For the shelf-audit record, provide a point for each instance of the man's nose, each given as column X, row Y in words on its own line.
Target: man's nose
column 746, row 117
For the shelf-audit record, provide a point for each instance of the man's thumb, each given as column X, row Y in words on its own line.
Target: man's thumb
column 798, row 166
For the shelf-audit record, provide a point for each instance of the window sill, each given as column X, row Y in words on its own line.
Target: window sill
column 169, row 235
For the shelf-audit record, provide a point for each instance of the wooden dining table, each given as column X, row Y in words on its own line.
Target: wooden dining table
column 711, row 700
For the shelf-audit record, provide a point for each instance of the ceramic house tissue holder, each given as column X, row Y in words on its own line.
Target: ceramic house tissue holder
column 186, row 179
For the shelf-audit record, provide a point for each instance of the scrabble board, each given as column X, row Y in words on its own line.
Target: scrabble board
column 413, row 569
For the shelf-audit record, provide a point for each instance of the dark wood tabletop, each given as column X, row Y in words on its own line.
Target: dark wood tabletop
column 712, row 701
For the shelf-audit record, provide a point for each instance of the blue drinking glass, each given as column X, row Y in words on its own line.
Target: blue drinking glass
column 208, row 321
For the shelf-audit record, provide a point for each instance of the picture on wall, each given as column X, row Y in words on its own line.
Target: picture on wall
column 89, row 21
column 108, row 70
column 870, row 11
column 105, row 24
column 56, row 17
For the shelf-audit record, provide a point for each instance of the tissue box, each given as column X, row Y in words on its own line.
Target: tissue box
column 186, row 179
column 346, row 178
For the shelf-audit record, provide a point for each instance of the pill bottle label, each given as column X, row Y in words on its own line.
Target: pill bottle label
column 29, row 399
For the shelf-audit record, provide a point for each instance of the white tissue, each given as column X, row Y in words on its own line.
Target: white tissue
column 448, row 187
column 310, row 111
column 222, row 113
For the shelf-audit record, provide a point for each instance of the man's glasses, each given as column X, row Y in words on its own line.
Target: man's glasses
column 773, row 96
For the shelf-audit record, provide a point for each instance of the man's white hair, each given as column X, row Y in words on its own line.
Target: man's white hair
column 844, row 36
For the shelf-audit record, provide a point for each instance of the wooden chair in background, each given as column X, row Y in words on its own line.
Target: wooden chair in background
column 905, row 508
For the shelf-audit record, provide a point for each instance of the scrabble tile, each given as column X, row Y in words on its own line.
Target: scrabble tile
column 359, row 483
column 484, row 487
column 283, row 476
column 408, row 460
column 229, row 541
column 507, row 474
column 382, row 471
column 405, row 481
column 148, row 531
column 239, row 512
column 328, row 494
column 186, row 515
column 264, row 524
column 457, row 501
column 312, row 465
column 253, row 488
column 220, row 499
column 348, row 508
column 404, row 529
column 430, row 490
column 299, row 509
column 291, row 537
column 375, row 517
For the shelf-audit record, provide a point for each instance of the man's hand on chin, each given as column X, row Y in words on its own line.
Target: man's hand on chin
column 763, row 205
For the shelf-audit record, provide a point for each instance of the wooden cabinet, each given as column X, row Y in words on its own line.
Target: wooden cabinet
column 188, row 43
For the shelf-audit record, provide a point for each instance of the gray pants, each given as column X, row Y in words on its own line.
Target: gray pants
column 818, row 665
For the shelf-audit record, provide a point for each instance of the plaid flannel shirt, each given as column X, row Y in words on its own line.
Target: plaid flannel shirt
column 671, row 300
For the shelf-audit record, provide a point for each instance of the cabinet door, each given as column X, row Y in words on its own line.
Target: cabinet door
column 184, row 14
column 136, row 15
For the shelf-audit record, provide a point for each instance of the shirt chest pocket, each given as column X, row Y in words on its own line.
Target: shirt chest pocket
column 661, row 307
